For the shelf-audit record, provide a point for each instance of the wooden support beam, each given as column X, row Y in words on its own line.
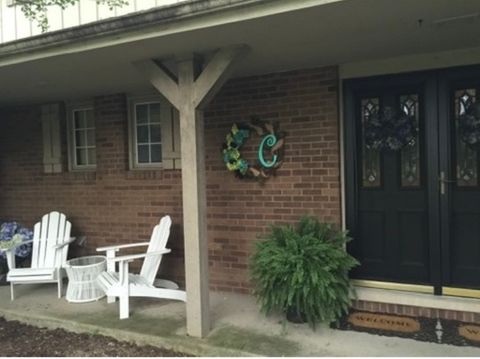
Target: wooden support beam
column 189, row 96
column 215, row 74
column 194, row 205
column 159, row 78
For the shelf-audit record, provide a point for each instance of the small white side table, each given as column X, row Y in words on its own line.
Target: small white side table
column 82, row 273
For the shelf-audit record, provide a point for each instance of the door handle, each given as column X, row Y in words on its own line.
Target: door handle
column 443, row 182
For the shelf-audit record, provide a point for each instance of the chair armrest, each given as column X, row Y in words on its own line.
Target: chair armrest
column 120, row 246
column 10, row 254
column 18, row 245
column 10, row 260
column 66, row 243
column 132, row 257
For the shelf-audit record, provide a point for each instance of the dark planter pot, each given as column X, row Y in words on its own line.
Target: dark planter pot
column 295, row 316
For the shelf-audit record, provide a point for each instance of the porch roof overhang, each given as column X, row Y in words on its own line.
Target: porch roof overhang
column 97, row 58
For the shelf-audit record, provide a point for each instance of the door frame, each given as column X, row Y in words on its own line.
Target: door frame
column 427, row 79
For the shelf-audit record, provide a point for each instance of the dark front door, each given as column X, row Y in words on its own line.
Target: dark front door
column 459, row 119
column 413, row 178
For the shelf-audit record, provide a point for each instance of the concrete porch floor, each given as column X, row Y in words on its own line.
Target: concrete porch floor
column 238, row 327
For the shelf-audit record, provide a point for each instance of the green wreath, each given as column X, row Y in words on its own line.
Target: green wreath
column 271, row 142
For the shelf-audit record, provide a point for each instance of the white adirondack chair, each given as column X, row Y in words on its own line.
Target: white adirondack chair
column 51, row 238
column 123, row 284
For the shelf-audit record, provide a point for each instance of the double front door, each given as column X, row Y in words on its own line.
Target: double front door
column 412, row 145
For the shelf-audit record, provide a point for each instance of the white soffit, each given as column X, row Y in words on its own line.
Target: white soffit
column 409, row 63
column 355, row 33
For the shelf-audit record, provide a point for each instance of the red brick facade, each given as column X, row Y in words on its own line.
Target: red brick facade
column 413, row 311
column 304, row 103
column 116, row 205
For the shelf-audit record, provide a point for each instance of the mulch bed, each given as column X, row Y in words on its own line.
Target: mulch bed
column 442, row 331
column 21, row 340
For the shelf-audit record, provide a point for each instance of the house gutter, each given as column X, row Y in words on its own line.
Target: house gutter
column 157, row 22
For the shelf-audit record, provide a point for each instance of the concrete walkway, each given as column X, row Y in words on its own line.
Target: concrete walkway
column 238, row 327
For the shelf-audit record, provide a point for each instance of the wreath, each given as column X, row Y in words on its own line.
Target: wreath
column 271, row 142
column 469, row 126
column 389, row 130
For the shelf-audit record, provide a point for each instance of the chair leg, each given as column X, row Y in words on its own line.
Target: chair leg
column 12, row 293
column 111, row 268
column 60, row 286
column 124, row 306
column 125, row 289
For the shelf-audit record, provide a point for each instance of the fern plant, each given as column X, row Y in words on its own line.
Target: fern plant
column 304, row 268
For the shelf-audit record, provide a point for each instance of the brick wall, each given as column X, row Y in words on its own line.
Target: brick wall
column 414, row 311
column 115, row 205
column 304, row 103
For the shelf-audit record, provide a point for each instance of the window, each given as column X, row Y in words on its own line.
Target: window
column 148, row 133
column 154, row 134
column 81, row 135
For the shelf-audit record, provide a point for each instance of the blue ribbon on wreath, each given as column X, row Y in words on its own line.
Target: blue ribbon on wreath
column 389, row 130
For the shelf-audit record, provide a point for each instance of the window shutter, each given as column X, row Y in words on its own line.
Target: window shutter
column 170, row 138
column 176, row 140
column 52, row 157
column 167, row 138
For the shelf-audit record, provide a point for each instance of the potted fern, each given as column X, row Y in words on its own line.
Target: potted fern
column 303, row 271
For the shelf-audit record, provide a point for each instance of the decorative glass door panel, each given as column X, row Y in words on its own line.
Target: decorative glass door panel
column 466, row 160
column 371, row 157
column 410, row 154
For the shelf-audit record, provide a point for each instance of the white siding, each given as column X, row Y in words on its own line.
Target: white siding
column 14, row 25
column 71, row 16
column 127, row 8
column 88, row 11
column 145, row 4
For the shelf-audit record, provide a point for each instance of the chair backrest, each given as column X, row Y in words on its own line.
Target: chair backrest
column 158, row 241
column 52, row 230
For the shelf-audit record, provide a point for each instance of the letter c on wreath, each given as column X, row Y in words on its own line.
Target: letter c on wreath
column 270, row 141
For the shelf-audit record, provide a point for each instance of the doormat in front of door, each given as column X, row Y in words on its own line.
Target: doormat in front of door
column 441, row 331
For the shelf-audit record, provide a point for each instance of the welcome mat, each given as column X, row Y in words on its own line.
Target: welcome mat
column 384, row 322
column 442, row 331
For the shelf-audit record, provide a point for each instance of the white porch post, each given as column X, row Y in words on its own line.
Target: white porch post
column 189, row 95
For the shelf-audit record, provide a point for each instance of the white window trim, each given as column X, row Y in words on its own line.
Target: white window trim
column 71, row 108
column 166, row 118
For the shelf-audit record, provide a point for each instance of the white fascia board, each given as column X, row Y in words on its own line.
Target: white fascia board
column 222, row 16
